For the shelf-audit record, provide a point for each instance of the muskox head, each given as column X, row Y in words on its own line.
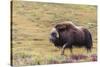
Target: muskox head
column 60, row 27
column 67, row 35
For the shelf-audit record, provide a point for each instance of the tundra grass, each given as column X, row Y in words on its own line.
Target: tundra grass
column 31, row 25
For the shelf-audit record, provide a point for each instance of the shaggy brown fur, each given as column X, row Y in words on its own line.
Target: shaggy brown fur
column 71, row 35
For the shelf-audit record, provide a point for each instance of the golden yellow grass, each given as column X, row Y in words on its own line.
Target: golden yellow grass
column 32, row 22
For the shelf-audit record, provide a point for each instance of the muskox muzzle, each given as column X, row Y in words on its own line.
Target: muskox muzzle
column 54, row 35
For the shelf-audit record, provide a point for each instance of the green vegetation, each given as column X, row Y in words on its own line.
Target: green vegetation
column 32, row 22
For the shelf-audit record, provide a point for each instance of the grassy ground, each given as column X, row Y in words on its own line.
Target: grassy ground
column 31, row 27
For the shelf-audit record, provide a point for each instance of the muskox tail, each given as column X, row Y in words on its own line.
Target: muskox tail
column 88, row 40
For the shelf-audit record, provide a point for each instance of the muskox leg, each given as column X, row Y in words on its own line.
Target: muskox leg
column 63, row 49
column 71, row 50
column 88, row 50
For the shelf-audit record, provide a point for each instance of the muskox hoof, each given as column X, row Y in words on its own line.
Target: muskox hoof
column 62, row 53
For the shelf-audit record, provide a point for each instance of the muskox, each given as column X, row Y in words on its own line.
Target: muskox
column 67, row 35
